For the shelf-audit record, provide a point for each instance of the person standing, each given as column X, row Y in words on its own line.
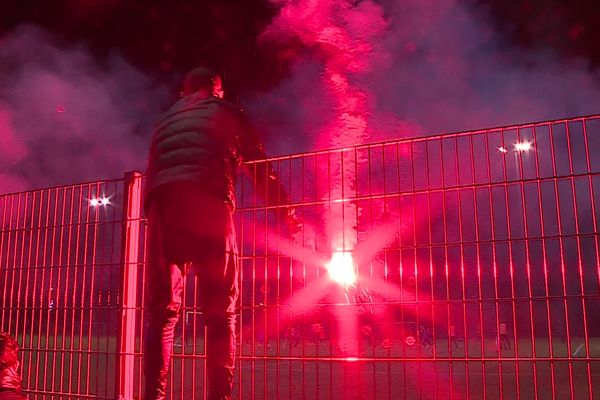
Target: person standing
column 196, row 149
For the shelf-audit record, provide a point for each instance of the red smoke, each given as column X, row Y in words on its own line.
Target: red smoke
column 64, row 118
column 343, row 37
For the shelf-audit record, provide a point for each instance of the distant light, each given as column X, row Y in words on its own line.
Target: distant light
column 410, row 340
column 352, row 359
column 102, row 201
column 341, row 268
column 522, row 146
column 502, row 149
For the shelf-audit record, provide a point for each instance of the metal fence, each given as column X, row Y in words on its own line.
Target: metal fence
column 474, row 274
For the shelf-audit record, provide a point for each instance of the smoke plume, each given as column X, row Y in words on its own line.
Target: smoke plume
column 374, row 70
column 65, row 117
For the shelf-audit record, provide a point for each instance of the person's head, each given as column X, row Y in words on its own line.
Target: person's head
column 203, row 79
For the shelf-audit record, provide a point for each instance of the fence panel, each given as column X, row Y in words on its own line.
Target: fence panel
column 458, row 266
column 60, row 254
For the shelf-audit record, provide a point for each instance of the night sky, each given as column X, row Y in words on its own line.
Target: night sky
column 83, row 80
column 165, row 39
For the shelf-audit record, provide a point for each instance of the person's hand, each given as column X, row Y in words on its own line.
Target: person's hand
column 293, row 222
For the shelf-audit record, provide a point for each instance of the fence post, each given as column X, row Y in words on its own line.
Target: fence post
column 130, row 262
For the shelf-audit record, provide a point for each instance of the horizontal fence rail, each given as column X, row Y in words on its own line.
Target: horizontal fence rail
column 457, row 266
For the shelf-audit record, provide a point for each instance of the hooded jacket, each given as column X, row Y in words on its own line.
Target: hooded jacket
column 201, row 141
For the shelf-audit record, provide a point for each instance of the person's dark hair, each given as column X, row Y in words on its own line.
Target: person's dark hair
column 9, row 351
column 199, row 78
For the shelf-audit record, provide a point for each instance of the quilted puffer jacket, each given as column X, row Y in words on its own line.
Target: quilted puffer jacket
column 202, row 141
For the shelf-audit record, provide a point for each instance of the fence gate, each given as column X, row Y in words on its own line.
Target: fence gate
column 457, row 266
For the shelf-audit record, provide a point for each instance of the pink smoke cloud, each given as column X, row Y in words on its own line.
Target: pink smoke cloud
column 64, row 118
column 389, row 69
column 344, row 38
column 12, row 147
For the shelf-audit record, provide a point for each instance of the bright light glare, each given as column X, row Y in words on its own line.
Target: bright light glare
column 522, row 146
column 341, row 268
column 502, row 149
column 104, row 201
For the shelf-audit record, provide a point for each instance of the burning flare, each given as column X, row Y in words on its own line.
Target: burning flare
column 341, row 268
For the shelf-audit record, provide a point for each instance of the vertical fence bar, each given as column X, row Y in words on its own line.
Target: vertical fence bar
column 590, row 175
column 586, row 342
column 561, row 237
column 540, row 210
column 125, row 371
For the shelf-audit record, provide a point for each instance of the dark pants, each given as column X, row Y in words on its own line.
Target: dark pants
column 188, row 230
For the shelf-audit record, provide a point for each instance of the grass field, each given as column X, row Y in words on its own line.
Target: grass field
column 414, row 372
column 307, row 370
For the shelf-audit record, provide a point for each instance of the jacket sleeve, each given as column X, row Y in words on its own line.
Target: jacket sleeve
column 266, row 182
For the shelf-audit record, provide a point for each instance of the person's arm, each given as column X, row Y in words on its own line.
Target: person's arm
column 264, row 177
